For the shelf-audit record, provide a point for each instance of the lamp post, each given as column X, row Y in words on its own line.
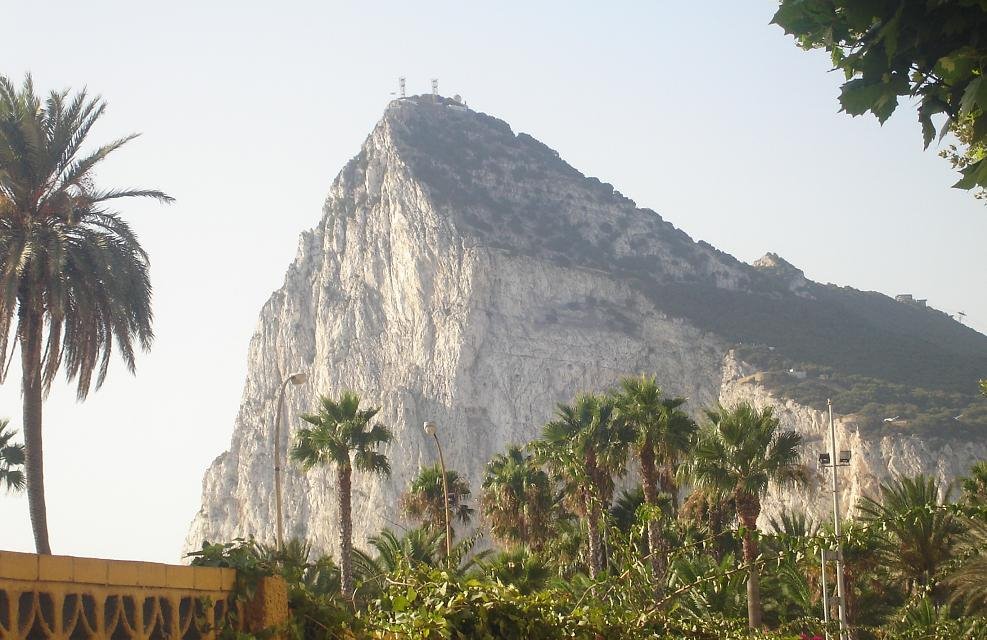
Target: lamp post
column 430, row 429
column 295, row 379
column 831, row 459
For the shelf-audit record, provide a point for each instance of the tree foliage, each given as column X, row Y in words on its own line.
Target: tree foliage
column 917, row 535
column 933, row 52
column 11, row 459
column 913, row 561
column 341, row 436
column 739, row 453
column 517, row 499
column 74, row 281
column 424, row 501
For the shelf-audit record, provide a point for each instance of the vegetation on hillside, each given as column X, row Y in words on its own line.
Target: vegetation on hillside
column 918, row 362
column 876, row 405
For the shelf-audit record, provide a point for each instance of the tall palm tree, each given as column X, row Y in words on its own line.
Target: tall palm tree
column 919, row 530
column 517, row 499
column 74, row 282
column 585, row 447
column 661, row 434
column 11, row 459
column 424, row 501
column 739, row 453
column 341, row 436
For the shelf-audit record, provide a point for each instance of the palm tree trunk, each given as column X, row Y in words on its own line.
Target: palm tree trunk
column 33, row 392
column 593, row 533
column 522, row 522
column 748, row 508
column 666, row 481
column 849, row 578
column 345, row 531
column 715, row 519
column 591, row 502
column 656, row 547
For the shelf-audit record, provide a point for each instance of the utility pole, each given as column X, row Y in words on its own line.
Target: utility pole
column 432, row 429
column 296, row 379
column 825, row 589
column 843, row 460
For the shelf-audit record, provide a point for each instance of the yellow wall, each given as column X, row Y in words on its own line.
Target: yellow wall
column 44, row 597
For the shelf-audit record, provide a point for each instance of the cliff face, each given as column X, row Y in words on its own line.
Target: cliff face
column 465, row 274
column 875, row 457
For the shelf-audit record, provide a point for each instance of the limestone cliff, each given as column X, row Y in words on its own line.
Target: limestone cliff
column 465, row 274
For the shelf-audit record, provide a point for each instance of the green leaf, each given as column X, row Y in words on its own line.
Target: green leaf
column 974, row 96
column 399, row 603
column 975, row 175
column 929, row 107
column 889, row 33
column 859, row 96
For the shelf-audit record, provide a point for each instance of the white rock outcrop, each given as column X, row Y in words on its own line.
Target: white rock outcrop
column 444, row 282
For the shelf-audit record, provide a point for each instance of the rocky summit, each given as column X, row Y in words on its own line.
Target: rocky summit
column 466, row 274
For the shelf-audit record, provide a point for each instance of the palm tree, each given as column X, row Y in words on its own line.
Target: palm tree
column 520, row 567
column 969, row 580
column 870, row 595
column 662, row 433
column 919, row 531
column 624, row 510
column 517, row 499
column 708, row 586
column 74, row 280
column 421, row 546
column 710, row 510
column 11, row 459
column 739, row 453
column 585, row 447
column 793, row 524
column 341, row 436
column 424, row 501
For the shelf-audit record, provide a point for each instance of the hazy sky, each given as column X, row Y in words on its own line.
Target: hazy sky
column 701, row 111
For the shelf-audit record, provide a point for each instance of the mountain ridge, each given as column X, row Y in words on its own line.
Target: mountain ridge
column 466, row 274
column 916, row 332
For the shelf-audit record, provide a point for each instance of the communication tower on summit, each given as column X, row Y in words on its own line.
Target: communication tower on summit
column 400, row 93
column 435, row 89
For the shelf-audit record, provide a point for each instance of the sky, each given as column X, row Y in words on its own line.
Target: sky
column 702, row 111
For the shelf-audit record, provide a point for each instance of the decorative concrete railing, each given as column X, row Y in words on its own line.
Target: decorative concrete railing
column 62, row 597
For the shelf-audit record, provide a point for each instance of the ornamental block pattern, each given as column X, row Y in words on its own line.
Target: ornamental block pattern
column 67, row 598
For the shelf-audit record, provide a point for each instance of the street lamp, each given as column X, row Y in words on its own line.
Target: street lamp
column 831, row 459
column 430, row 429
column 295, row 379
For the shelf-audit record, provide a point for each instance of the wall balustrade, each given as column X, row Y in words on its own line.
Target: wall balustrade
column 68, row 598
